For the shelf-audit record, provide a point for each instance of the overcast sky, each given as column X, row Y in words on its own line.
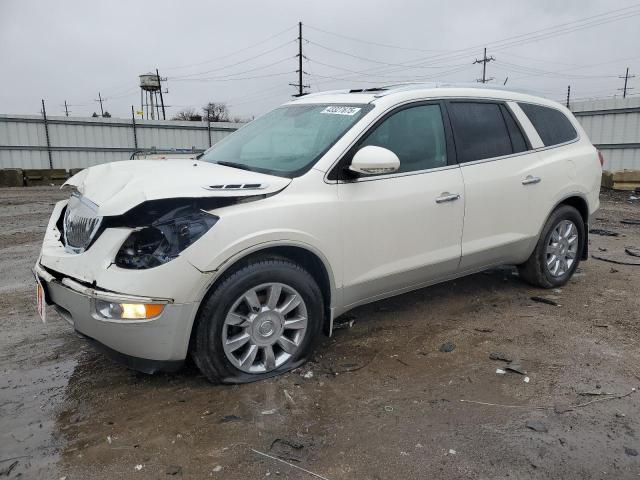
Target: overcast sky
column 213, row 50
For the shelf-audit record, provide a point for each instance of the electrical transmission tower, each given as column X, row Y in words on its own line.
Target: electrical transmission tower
column 484, row 62
column 626, row 79
column 300, row 85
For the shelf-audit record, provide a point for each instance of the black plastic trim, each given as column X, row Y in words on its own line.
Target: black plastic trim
column 144, row 365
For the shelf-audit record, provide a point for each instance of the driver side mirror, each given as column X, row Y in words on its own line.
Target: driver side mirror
column 372, row 160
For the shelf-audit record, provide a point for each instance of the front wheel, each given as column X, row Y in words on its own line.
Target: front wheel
column 262, row 320
column 558, row 251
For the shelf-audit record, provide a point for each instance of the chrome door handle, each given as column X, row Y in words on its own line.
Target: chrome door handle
column 447, row 197
column 530, row 180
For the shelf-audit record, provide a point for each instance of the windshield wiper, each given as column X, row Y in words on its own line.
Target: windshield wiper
column 241, row 166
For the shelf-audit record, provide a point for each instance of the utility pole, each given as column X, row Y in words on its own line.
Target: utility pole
column 66, row 109
column 161, row 99
column 626, row 79
column 300, row 85
column 484, row 62
column 46, row 133
column 100, row 100
column 568, row 94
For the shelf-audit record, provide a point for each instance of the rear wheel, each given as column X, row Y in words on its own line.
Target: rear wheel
column 558, row 251
column 262, row 320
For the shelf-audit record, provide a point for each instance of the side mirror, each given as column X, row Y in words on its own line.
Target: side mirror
column 372, row 160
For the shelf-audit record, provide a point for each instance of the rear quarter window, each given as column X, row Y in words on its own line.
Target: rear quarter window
column 552, row 125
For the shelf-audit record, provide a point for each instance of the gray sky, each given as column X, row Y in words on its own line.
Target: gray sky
column 72, row 49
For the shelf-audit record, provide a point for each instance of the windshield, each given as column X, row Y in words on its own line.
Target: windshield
column 286, row 141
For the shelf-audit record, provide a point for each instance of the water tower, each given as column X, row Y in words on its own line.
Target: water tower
column 150, row 88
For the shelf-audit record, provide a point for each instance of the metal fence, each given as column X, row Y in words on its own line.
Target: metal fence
column 613, row 125
column 32, row 141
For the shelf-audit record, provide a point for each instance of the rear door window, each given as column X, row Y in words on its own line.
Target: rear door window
column 480, row 131
column 552, row 125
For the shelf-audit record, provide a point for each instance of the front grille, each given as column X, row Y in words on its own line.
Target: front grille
column 81, row 223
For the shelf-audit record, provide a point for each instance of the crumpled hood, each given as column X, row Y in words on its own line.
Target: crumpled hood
column 119, row 186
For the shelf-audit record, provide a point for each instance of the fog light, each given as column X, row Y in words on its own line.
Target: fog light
column 128, row 311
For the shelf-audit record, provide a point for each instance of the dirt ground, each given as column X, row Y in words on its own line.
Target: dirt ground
column 379, row 400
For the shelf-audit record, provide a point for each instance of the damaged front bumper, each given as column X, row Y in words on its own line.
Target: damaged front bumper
column 160, row 343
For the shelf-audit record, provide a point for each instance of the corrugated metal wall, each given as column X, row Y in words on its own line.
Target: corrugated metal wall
column 613, row 125
column 82, row 142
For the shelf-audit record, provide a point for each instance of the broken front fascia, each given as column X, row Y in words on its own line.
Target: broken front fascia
column 176, row 280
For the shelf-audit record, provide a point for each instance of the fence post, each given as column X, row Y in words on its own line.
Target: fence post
column 135, row 135
column 46, row 134
column 209, row 127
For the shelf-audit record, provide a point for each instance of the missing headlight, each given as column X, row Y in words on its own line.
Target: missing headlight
column 164, row 239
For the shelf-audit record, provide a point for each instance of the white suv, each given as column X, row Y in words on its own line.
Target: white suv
column 243, row 257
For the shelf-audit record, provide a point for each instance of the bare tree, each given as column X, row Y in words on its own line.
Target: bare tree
column 217, row 112
column 188, row 114
column 106, row 114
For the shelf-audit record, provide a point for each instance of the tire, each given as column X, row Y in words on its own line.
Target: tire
column 537, row 270
column 231, row 312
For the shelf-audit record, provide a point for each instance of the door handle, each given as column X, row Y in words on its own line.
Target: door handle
column 447, row 197
column 530, row 180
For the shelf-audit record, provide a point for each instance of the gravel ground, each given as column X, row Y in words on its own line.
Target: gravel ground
column 379, row 400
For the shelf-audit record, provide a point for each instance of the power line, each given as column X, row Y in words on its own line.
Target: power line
column 211, row 60
column 188, row 75
column 216, row 79
column 536, row 35
column 219, row 77
column 386, row 45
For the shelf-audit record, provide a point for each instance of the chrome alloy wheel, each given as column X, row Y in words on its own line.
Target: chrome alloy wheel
column 562, row 248
column 264, row 327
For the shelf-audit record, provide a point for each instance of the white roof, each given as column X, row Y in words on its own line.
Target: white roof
column 414, row 91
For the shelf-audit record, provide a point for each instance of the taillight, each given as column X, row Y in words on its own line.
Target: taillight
column 601, row 158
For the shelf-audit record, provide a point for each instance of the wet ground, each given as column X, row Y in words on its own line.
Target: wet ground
column 379, row 401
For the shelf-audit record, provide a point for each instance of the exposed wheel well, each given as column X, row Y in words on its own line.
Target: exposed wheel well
column 303, row 257
column 581, row 205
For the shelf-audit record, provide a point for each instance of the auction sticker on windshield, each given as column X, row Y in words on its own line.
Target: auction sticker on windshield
column 41, row 304
column 335, row 110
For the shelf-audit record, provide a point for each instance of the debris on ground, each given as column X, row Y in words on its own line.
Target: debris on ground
column 632, row 452
column 217, row 468
column 500, row 371
column 602, row 249
column 6, row 471
column 559, row 409
column 308, row 374
column 344, row 321
column 515, row 366
column 268, row 412
column 484, row 330
column 634, row 252
column 548, row 301
column 536, row 426
column 630, row 221
column 612, row 260
column 229, row 418
column 287, row 449
column 603, row 232
column 500, row 356
column 173, row 470
column 526, row 379
column 447, row 347
column 452, row 451
column 138, row 467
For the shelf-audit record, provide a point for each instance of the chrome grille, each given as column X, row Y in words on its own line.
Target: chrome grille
column 81, row 223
